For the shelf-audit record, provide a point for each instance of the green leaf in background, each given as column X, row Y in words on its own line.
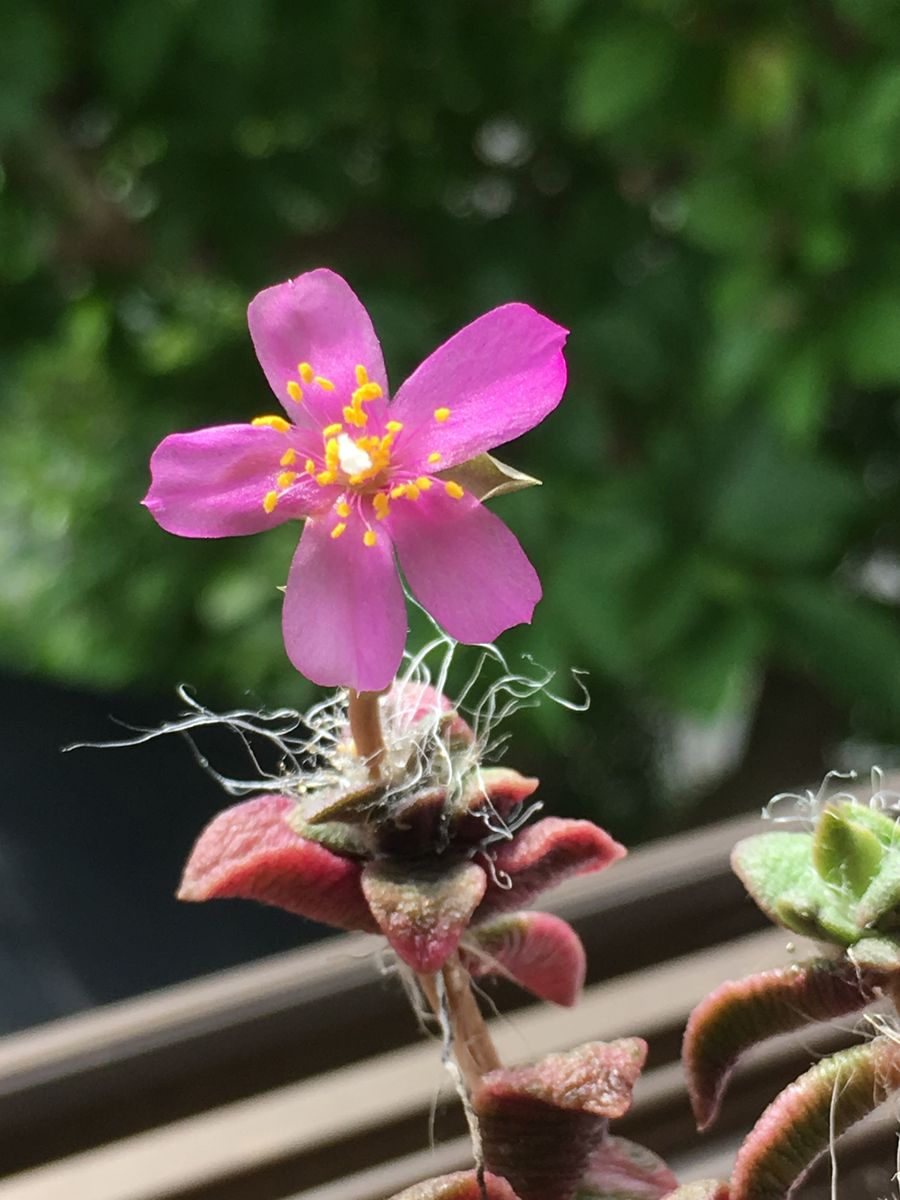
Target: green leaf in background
column 871, row 341
column 621, row 70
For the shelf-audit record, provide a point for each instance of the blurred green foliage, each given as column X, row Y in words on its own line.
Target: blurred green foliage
column 705, row 192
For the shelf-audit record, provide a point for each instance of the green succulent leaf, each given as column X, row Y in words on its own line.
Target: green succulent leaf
column 798, row 1126
column 875, row 954
column 845, row 853
column 818, row 913
column 879, row 904
column 885, row 828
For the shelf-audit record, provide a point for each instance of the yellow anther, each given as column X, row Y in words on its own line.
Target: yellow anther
column 271, row 499
column 295, row 391
column 435, row 456
column 331, row 430
column 305, row 371
column 332, row 454
column 338, row 529
column 442, row 414
column 286, row 478
column 324, row 383
column 454, row 490
column 325, row 477
column 398, row 492
column 309, row 467
column 423, row 482
column 368, row 391
column 278, row 423
column 370, row 537
column 288, row 458
column 355, row 416
column 394, row 426
column 342, row 508
column 362, row 375
column 381, row 503
column 412, row 492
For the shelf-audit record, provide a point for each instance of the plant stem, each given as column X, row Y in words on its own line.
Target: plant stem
column 365, row 727
column 472, row 1044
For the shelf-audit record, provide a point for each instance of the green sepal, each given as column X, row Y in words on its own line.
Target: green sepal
column 485, row 477
column 354, row 806
column 771, row 865
column 879, row 904
column 336, row 836
column 845, row 853
column 875, row 954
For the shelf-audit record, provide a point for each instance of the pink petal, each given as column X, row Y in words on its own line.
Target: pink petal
column 250, row 851
column 212, row 483
column 541, row 952
column 499, row 377
column 463, row 565
column 316, row 319
column 462, row 1185
column 422, row 913
column 545, row 854
column 344, row 616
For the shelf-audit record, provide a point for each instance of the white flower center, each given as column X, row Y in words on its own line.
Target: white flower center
column 353, row 460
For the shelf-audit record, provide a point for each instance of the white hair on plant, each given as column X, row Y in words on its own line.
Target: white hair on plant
column 806, row 806
column 312, row 752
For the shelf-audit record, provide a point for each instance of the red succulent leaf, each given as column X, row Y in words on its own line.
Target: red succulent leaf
column 250, row 851
column 623, row 1170
column 544, row 855
column 596, row 1078
column 423, row 910
column 798, row 1126
column 462, row 1185
column 540, row 952
column 540, row 1123
column 741, row 1013
column 502, row 787
column 704, row 1189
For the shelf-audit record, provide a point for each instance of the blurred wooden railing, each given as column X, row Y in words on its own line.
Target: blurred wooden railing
column 305, row 1077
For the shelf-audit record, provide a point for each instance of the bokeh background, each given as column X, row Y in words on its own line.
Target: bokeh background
column 705, row 193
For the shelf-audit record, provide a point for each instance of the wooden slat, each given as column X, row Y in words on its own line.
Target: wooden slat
column 310, row 1116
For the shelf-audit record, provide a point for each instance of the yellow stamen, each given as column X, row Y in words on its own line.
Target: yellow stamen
column 423, row 482
column 454, row 490
column 295, row 391
column 398, row 492
column 325, row 477
column 434, row 457
column 286, row 478
column 271, row 499
column 355, row 416
column 310, row 467
column 342, row 508
column 366, row 392
column 278, row 423
column 441, row 414
column 305, row 371
column 332, row 454
column 412, row 492
column 288, row 458
column 338, row 529
column 370, row 537
column 324, row 383
column 394, row 426
column 381, row 503
column 331, row 430
column 362, row 375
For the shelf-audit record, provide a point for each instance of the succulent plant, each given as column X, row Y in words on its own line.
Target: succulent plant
column 840, row 884
column 434, row 852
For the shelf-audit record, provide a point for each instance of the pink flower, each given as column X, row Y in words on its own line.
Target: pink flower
column 370, row 475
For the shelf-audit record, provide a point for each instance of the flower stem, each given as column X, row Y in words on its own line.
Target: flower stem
column 472, row 1044
column 365, row 727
